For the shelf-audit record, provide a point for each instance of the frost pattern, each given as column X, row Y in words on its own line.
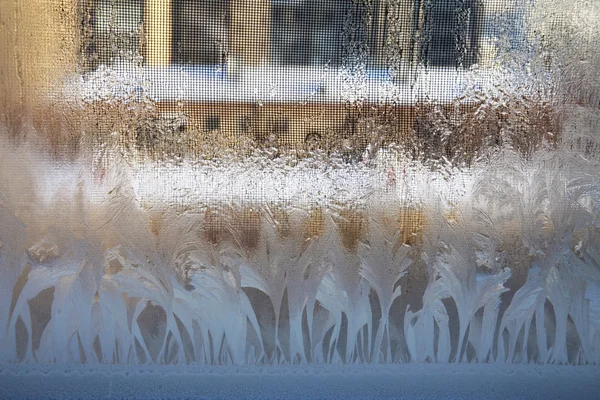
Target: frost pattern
column 508, row 272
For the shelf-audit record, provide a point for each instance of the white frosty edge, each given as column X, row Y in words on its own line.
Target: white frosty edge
column 275, row 84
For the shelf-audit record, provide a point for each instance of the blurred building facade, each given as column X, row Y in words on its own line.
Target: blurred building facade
column 299, row 32
column 41, row 40
column 51, row 35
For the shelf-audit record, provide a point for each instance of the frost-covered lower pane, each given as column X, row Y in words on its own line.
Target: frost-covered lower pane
column 482, row 265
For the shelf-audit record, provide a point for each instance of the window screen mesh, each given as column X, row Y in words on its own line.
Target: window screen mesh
column 319, row 73
column 287, row 181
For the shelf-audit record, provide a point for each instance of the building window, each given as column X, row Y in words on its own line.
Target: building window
column 201, row 31
column 315, row 32
column 281, row 126
column 112, row 31
column 450, row 32
column 244, row 123
column 212, row 123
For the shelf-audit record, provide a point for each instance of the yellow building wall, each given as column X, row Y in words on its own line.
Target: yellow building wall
column 38, row 44
column 158, row 28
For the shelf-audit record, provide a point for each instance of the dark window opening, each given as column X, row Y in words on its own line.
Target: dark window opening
column 450, row 32
column 281, row 126
column 316, row 32
column 201, row 31
column 111, row 31
column 244, row 124
column 212, row 123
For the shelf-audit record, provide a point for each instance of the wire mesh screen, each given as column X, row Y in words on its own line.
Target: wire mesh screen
column 293, row 181
column 314, row 73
